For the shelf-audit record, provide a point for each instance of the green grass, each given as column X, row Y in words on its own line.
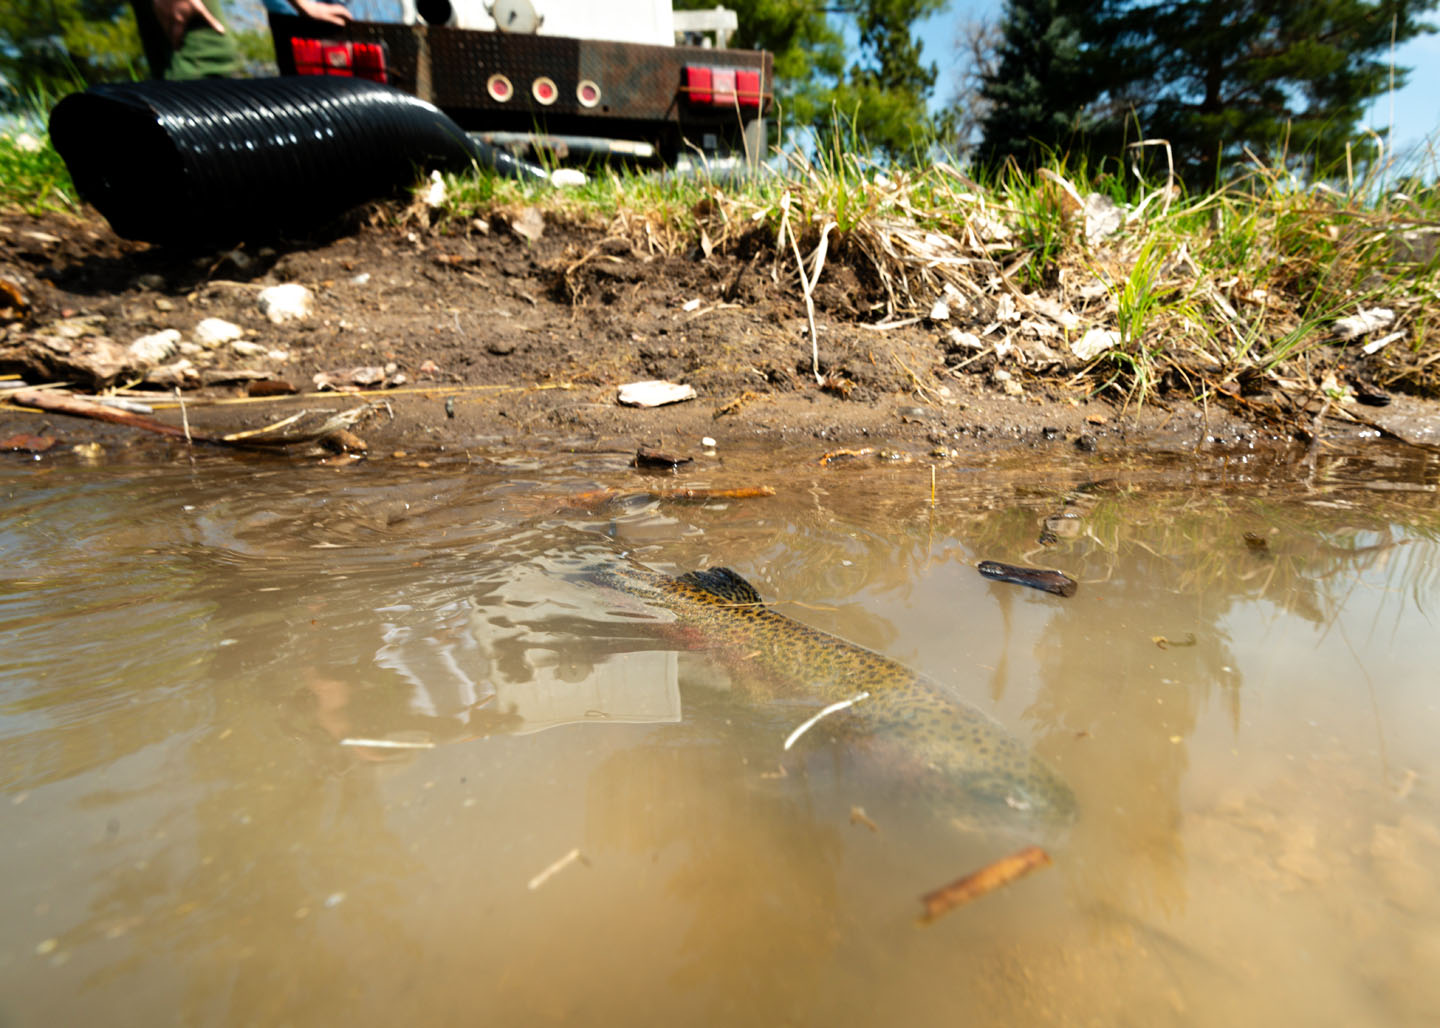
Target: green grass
column 1245, row 280
column 1248, row 278
column 33, row 179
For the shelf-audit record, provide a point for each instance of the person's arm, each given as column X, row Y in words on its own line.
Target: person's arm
column 175, row 16
column 335, row 14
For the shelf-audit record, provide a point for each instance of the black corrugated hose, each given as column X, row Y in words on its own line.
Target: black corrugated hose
column 226, row 160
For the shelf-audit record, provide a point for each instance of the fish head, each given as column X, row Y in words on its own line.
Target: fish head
column 1029, row 795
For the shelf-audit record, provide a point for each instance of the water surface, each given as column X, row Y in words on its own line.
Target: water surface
column 198, row 824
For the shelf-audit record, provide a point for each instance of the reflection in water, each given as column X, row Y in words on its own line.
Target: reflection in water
column 195, row 824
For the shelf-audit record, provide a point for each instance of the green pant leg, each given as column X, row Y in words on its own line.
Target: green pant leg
column 206, row 54
column 203, row 53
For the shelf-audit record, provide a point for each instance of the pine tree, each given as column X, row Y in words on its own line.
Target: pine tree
column 1211, row 77
column 887, row 89
column 1037, row 95
column 1264, row 74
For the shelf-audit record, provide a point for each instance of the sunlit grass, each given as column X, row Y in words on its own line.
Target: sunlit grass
column 1249, row 279
column 32, row 175
column 1201, row 292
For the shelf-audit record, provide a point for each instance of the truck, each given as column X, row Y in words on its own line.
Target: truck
column 574, row 78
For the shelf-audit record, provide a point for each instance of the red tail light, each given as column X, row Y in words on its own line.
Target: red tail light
column 317, row 57
column 722, row 87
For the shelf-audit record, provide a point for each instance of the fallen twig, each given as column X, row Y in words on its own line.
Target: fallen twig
column 691, row 494
column 834, row 708
column 1036, row 578
column 886, row 326
column 81, row 407
column 1165, row 643
column 390, row 744
column 976, row 884
column 859, row 817
column 67, row 403
column 554, row 869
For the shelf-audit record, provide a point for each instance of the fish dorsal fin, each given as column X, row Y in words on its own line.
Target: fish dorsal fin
column 724, row 583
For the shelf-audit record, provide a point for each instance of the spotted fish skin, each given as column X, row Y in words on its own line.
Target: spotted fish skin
column 905, row 711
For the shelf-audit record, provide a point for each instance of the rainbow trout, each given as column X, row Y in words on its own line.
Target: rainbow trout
column 905, row 712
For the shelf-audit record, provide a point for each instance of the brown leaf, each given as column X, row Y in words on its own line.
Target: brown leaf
column 645, row 457
column 28, row 443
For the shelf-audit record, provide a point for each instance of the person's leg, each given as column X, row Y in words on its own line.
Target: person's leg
column 203, row 52
column 152, row 38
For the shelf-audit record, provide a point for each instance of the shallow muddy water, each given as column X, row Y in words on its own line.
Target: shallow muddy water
column 300, row 745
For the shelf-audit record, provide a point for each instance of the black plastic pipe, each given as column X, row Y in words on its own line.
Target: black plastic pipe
column 225, row 160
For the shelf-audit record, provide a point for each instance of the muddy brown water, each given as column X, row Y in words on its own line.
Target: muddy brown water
column 297, row 745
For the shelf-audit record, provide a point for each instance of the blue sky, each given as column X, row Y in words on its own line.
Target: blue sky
column 1416, row 106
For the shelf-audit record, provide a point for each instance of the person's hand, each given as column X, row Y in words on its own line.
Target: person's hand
column 335, row 14
column 175, row 17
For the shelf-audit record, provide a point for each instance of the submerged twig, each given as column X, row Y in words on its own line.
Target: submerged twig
column 390, row 744
column 82, row 407
column 686, row 494
column 835, row 707
column 976, row 884
column 554, row 869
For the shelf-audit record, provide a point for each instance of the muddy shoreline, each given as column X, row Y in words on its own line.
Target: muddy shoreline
column 478, row 335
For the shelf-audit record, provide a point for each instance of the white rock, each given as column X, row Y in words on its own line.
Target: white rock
column 157, row 347
column 940, row 311
column 288, row 302
column 1103, row 217
column 654, row 393
column 214, row 332
column 567, row 177
column 435, row 191
column 1364, row 323
column 967, row 340
column 528, row 223
column 245, row 348
column 1376, row 345
column 180, row 374
column 1094, row 342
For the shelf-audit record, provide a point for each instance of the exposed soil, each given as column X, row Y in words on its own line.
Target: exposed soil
column 483, row 335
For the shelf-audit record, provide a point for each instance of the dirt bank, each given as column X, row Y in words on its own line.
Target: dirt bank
column 474, row 333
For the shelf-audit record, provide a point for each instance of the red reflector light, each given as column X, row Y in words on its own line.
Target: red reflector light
column 544, row 91
column 370, row 62
column 314, row 57
column 588, row 93
column 307, row 56
column 747, row 88
column 697, row 84
column 723, row 80
column 499, row 88
column 723, row 87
